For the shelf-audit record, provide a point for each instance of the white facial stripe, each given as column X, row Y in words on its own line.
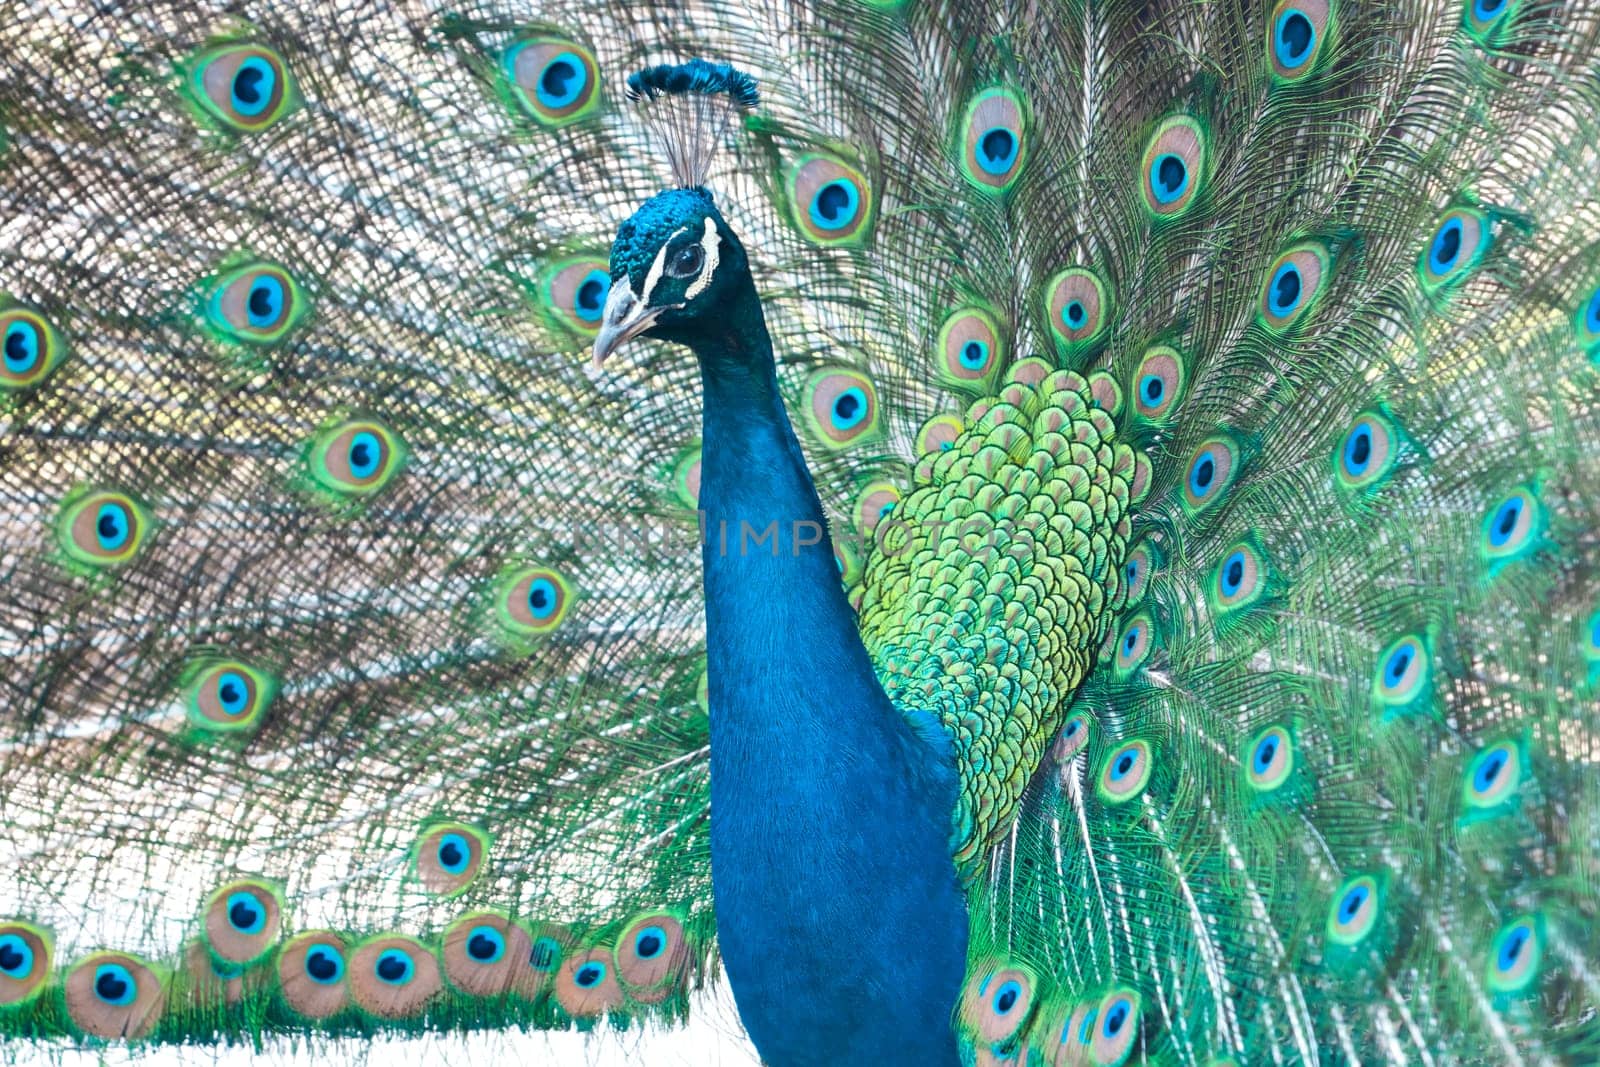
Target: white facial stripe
column 658, row 267
column 711, row 245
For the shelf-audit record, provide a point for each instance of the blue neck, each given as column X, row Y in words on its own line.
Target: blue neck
column 839, row 916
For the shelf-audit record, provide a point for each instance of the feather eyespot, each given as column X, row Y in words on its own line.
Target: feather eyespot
column 242, row 920
column 1269, row 759
column 101, row 528
column 532, row 601
column 356, row 458
column 1586, row 321
column 1133, row 644
column 829, row 200
column 1136, row 572
column 1512, row 528
column 1367, row 452
column 1493, row 778
column 587, row 985
column 1174, row 166
column 875, row 503
column 1210, row 472
column 1294, row 283
column 311, row 973
column 843, row 405
column 1485, row 19
column 939, row 434
column 971, row 351
column 1073, row 738
column 228, row 696
column 1354, row 911
column 243, row 88
column 1403, row 670
column 25, row 952
column 996, row 1002
column 114, row 995
column 573, row 293
column 994, row 139
column 651, row 956
column 1126, row 772
column 1157, row 382
column 1515, row 954
column 1299, row 29
column 256, row 304
column 393, row 977
column 448, row 857
column 1239, row 580
column 1116, row 1027
column 32, row 347
column 1077, row 306
column 686, row 475
column 486, row 955
column 1458, row 244
column 550, row 80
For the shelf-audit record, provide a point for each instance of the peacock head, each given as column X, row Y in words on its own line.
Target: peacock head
column 677, row 272
column 675, row 266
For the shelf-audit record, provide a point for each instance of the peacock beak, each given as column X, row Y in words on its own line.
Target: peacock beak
column 625, row 317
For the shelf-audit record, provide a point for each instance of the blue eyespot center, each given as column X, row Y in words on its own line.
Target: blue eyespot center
column 1485, row 10
column 1488, row 771
column 562, row 81
column 252, row 86
column 454, row 853
column 542, row 598
column 111, row 526
column 265, row 303
column 974, row 354
column 1169, row 177
column 1072, row 728
column 849, row 408
column 1123, row 765
column 1203, row 474
column 590, row 300
column 1294, row 37
column 1131, row 572
column 1352, row 902
column 1152, row 389
column 1074, row 314
column 590, row 975
column 834, row 205
column 22, row 347
column 1592, row 315
column 394, row 967
column 1116, row 1018
column 114, row 984
column 997, row 150
column 1006, row 998
column 1446, row 248
column 1233, row 574
column 485, row 944
column 16, row 956
column 1511, row 948
column 365, row 453
column 1504, row 523
column 233, row 693
column 650, row 943
column 323, row 965
column 1358, row 450
column 1266, row 751
column 1399, row 663
column 245, row 913
column 1130, row 641
column 1285, row 290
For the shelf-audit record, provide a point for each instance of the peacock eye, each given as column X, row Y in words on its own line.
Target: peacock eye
column 686, row 261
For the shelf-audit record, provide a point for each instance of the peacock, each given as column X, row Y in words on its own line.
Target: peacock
column 1002, row 533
